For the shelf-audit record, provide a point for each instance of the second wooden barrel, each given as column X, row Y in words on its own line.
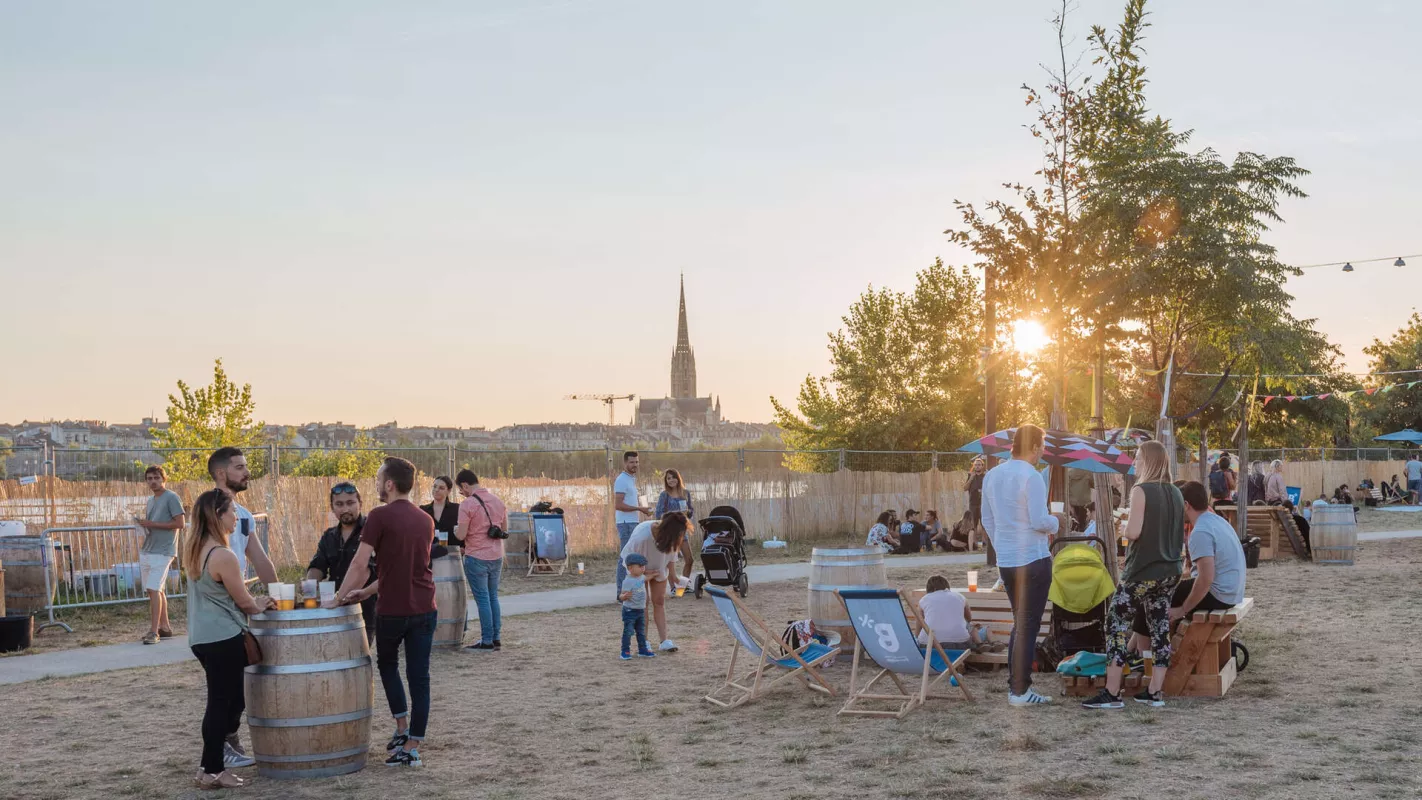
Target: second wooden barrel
column 1333, row 535
column 309, row 702
column 831, row 569
column 26, row 559
column 451, row 600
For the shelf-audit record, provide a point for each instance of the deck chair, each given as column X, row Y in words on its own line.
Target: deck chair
column 800, row 664
column 548, row 545
column 882, row 632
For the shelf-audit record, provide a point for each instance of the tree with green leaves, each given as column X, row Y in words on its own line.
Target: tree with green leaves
column 362, row 459
column 204, row 419
column 1401, row 407
column 901, row 376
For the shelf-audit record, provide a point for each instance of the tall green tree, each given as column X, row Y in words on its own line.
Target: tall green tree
column 204, row 419
column 1401, row 407
column 902, row 373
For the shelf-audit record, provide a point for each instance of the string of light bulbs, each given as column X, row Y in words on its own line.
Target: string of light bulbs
column 1348, row 265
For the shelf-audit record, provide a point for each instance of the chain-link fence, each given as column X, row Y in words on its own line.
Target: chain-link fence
column 794, row 495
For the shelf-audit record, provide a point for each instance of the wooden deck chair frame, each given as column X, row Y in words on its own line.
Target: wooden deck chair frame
column 904, row 701
column 738, row 690
column 547, row 566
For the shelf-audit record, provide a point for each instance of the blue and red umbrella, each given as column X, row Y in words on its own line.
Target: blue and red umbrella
column 1062, row 449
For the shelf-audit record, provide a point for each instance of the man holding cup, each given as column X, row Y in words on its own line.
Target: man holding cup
column 338, row 547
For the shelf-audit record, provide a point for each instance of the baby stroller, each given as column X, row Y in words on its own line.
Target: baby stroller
column 1081, row 589
column 723, row 552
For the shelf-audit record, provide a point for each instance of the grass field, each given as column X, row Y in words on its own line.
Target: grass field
column 1330, row 707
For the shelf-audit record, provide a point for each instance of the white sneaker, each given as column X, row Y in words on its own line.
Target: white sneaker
column 1032, row 698
column 668, row 646
column 233, row 759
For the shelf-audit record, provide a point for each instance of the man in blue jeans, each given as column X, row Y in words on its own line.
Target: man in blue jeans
column 628, row 510
column 400, row 535
column 480, row 514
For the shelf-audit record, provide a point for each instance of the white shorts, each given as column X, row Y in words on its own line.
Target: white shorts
column 154, row 570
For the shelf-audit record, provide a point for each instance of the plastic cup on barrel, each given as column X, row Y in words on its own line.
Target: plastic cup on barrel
column 972, row 580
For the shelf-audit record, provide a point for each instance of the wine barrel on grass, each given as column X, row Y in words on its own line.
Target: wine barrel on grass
column 1333, row 535
column 26, row 560
column 309, row 701
column 450, row 599
column 842, row 568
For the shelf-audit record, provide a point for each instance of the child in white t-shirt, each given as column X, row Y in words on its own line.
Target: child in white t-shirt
column 946, row 613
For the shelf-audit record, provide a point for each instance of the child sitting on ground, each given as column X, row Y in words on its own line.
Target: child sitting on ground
column 946, row 613
column 634, row 607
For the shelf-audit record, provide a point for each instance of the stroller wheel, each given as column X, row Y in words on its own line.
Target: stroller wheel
column 1241, row 655
column 742, row 585
column 699, row 582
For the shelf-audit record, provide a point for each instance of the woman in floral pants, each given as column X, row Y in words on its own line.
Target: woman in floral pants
column 1157, row 534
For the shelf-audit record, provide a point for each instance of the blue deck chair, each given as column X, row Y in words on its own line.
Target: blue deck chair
column 549, row 543
column 882, row 632
column 797, row 663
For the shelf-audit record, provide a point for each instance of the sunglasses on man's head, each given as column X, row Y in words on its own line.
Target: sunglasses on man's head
column 344, row 488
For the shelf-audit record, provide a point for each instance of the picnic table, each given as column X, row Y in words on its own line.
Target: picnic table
column 993, row 611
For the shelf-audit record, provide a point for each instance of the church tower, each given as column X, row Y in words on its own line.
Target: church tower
column 683, row 367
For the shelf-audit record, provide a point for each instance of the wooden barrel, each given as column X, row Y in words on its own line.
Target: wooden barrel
column 26, row 559
column 451, row 600
column 1333, row 535
column 309, row 702
column 832, row 569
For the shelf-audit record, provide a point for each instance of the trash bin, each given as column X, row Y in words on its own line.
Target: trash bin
column 1251, row 552
column 16, row 632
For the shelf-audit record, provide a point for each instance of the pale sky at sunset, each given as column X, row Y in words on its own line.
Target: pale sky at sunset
column 458, row 212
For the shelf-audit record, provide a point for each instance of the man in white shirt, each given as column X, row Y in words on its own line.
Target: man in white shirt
column 228, row 468
column 627, row 508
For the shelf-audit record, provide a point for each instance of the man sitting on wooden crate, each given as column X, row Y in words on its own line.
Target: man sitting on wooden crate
column 1218, row 579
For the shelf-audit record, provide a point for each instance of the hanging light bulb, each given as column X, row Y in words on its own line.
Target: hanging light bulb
column 1348, row 267
column 1399, row 263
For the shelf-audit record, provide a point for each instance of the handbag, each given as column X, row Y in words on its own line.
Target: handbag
column 495, row 532
column 252, row 646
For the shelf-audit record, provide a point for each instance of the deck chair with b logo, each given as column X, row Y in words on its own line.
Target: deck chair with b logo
column 882, row 633
column 800, row 663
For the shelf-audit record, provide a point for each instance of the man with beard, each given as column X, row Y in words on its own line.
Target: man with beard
column 228, row 468
column 337, row 549
column 400, row 535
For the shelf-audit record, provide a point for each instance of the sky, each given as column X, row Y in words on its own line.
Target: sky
column 457, row 213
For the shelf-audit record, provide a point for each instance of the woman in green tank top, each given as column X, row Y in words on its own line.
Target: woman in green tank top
column 218, row 605
column 1157, row 534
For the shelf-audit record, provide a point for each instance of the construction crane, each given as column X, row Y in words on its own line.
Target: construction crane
column 607, row 399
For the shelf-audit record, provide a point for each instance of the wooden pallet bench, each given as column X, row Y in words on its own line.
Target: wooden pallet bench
column 1201, row 662
column 1274, row 525
column 993, row 611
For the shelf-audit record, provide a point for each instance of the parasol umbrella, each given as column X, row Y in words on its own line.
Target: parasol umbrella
column 1062, row 449
column 1404, row 435
column 1130, row 437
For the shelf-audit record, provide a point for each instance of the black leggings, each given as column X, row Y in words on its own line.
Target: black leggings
column 223, row 662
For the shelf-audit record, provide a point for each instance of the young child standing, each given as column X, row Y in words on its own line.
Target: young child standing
column 634, row 607
column 946, row 613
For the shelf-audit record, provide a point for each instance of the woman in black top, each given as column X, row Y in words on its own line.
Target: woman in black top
column 444, row 513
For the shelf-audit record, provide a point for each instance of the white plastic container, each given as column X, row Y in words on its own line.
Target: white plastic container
column 773, row 544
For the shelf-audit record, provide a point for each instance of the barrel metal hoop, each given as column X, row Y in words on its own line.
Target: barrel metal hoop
column 851, row 551
column 349, row 626
column 302, row 669
column 9, row 563
column 323, row 772
column 825, row 587
column 303, row 722
column 306, row 757
column 869, row 563
column 308, row 613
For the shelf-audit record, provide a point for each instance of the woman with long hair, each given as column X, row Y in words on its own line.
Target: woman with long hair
column 881, row 534
column 444, row 513
column 676, row 497
column 1275, row 492
column 1156, row 531
column 659, row 541
column 218, row 605
column 1018, row 523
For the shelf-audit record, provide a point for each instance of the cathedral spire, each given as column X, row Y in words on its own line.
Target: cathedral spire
column 683, row 367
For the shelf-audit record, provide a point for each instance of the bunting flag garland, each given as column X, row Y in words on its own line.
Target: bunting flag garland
column 1266, row 399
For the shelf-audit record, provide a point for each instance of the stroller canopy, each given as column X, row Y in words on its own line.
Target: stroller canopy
column 728, row 511
column 1080, row 580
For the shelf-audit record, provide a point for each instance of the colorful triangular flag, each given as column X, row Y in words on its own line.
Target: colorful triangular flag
column 1325, row 396
column 1371, row 391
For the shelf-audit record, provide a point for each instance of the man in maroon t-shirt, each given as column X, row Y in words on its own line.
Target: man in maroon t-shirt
column 399, row 535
